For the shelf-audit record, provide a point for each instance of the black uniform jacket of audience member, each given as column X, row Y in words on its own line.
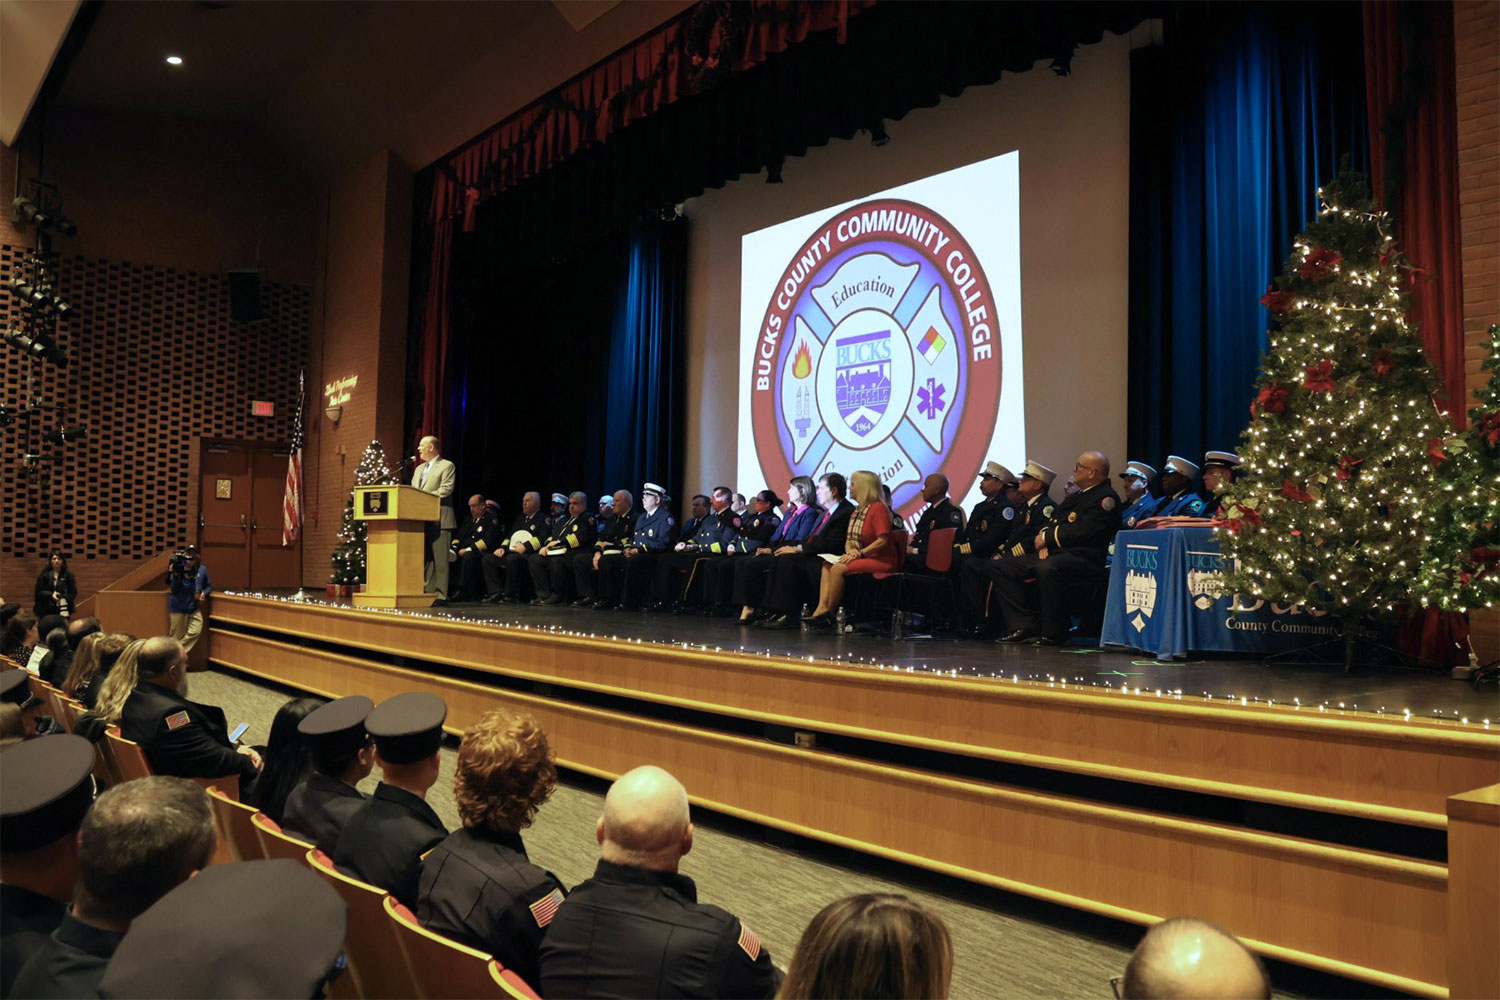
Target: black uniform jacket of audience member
column 1085, row 522
column 27, row 920
column 318, row 808
column 383, row 842
column 943, row 514
column 180, row 737
column 988, row 527
column 573, row 534
column 478, row 887
column 756, row 530
column 536, row 524
column 618, row 530
column 70, row 964
column 1029, row 520
column 634, row 932
column 480, row 534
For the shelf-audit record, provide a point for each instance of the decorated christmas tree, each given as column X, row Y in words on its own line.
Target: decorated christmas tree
column 349, row 552
column 1460, row 570
column 1331, row 512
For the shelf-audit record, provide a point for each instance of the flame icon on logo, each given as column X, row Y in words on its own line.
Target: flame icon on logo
column 802, row 361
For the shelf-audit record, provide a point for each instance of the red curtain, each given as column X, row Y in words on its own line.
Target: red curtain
column 1413, row 106
column 687, row 55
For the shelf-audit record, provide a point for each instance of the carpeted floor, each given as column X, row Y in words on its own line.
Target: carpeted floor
column 1005, row 945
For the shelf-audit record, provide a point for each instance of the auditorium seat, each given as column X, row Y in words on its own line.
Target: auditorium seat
column 935, row 588
column 276, row 842
column 512, row 984
column 236, row 827
column 445, row 969
column 128, row 757
column 377, row 964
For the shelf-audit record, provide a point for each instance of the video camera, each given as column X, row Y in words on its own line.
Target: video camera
column 181, row 560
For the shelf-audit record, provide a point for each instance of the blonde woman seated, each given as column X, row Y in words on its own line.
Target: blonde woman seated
column 871, row 946
column 868, row 547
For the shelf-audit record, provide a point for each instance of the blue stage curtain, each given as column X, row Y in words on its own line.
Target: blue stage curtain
column 645, row 395
column 1235, row 121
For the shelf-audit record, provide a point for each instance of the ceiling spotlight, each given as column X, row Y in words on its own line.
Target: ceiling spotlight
column 28, row 212
column 28, row 294
column 36, row 348
column 174, row 60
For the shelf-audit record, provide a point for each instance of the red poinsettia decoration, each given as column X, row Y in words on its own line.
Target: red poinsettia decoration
column 1292, row 491
column 1248, row 518
column 1384, row 364
column 1348, row 465
column 1271, row 399
column 1277, row 302
column 1320, row 377
column 1318, row 264
column 1489, row 428
column 1435, row 449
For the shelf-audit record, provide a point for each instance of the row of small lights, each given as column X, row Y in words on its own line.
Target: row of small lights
column 1049, row 680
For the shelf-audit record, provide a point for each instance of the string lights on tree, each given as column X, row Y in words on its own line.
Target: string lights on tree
column 348, row 560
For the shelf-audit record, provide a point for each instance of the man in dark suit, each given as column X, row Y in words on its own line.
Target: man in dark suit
column 798, row 570
column 180, row 737
column 383, row 842
column 552, row 567
column 342, row 757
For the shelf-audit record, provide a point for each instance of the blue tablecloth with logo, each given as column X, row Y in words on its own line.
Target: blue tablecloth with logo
column 1162, row 601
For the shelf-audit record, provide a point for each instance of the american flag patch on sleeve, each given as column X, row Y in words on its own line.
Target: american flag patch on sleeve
column 749, row 942
column 544, row 909
column 177, row 720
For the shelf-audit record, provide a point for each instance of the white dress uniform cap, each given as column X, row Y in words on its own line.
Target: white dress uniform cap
column 1220, row 459
column 1176, row 463
column 997, row 471
column 1138, row 470
column 653, row 489
column 1036, row 470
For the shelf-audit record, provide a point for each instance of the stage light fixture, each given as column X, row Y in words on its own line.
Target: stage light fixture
column 28, row 294
column 39, row 349
column 28, row 212
column 66, row 435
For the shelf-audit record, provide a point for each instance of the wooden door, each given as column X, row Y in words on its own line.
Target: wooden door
column 272, row 565
column 224, row 509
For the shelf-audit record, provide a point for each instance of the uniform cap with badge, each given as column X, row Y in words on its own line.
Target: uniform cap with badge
column 1181, row 466
column 1220, row 460
column 46, row 787
column 250, row 929
column 1036, row 470
column 654, row 490
column 339, row 726
column 408, row 727
column 561, row 498
column 994, row 470
column 1138, row 470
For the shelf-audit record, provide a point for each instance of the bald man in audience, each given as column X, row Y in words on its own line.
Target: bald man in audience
column 1187, row 959
column 636, row 928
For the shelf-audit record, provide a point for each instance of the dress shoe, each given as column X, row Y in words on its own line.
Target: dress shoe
column 536, row 602
column 490, row 599
column 820, row 623
column 507, row 599
column 1019, row 635
column 584, row 602
column 550, row 601
column 605, row 605
column 781, row 623
column 684, row 609
column 439, row 603
column 1047, row 640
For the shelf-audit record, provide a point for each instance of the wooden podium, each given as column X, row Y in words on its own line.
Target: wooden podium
column 395, row 545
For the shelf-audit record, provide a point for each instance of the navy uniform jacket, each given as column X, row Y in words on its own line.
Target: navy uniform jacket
column 1022, row 538
column 180, row 737
column 318, row 808
column 383, row 842
column 1085, row 522
column 618, row 529
column 481, row 534
column 70, row 964
column 989, row 524
column 479, row 888
column 655, row 531
column 714, row 533
column 756, row 530
column 943, row 514
column 1138, row 511
column 1213, row 506
column 572, row 535
column 536, row 524
column 1185, row 504
column 27, row 920
column 633, row 932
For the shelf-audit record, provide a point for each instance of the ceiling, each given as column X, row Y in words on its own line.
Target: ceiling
column 336, row 82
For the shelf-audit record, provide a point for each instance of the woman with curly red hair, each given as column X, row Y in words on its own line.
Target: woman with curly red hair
column 478, row 886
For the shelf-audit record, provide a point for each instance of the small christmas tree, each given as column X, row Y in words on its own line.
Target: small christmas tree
column 349, row 552
column 1460, row 570
column 1338, row 471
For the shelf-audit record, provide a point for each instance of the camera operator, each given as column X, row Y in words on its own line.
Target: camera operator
column 188, row 578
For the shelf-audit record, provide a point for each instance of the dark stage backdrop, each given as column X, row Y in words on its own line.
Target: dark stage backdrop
column 567, row 369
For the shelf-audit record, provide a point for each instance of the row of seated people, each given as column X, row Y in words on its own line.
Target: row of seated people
column 140, row 924
column 1019, row 560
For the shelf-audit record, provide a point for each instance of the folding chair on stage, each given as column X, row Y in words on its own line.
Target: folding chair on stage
column 934, row 589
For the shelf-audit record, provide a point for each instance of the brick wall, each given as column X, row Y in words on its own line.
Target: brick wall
column 1476, row 29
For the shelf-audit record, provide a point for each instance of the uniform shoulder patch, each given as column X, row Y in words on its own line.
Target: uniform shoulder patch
column 1047, row 510
column 177, row 720
column 749, row 943
column 1009, row 513
column 1108, row 503
column 544, row 909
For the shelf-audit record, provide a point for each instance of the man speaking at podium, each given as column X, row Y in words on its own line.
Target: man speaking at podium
column 436, row 475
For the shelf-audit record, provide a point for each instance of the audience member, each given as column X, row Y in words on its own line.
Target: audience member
column 86, row 677
column 140, row 840
column 119, row 683
column 190, row 587
column 252, row 929
column 875, row 945
column 46, row 786
column 78, row 630
column 1187, row 959
column 383, row 842
column 636, row 929
column 288, row 757
column 180, row 737
column 19, row 638
column 56, row 589
column 8, row 610
column 479, row 886
column 342, row 757
column 52, row 633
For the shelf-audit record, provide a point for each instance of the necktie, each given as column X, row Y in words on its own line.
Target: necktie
column 822, row 521
column 422, row 479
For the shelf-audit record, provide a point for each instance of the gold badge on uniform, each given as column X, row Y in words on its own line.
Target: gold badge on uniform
column 1072, row 516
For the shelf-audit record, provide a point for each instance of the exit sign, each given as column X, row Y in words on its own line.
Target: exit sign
column 261, row 408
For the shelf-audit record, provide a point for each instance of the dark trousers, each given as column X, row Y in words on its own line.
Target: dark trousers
column 794, row 581
column 507, row 569
column 671, row 567
column 471, row 574
column 718, row 579
column 976, row 580
column 552, row 575
column 637, row 582
column 1050, row 602
column 585, row 576
column 750, row 576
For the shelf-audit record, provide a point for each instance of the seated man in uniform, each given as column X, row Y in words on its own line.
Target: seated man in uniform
column 478, row 886
column 757, row 528
column 552, row 567
column 505, row 568
column 473, row 542
column 46, row 787
column 342, row 757
column 624, row 576
column 677, row 571
column 1068, row 552
column 941, row 512
column 180, row 737
column 992, row 518
column 589, row 567
column 977, row 576
column 1185, row 958
column 636, row 929
column 1178, row 490
column 1137, row 499
column 139, row 841
column 1219, row 470
column 383, row 842
column 559, row 511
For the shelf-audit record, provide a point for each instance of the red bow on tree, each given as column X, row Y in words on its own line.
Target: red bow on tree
column 1318, row 264
column 1292, row 491
column 1320, row 377
column 1489, row 428
column 1435, row 449
column 1348, row 465
column 1277, row 302
column 1383, row 363
column 1271, row 399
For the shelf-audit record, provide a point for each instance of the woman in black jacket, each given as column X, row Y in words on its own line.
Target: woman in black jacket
column 56, row 590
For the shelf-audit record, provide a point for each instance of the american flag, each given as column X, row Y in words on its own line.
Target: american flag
column 291, row 500
column 545, row 908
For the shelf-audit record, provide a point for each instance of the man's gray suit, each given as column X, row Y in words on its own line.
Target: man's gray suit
column 438, row 476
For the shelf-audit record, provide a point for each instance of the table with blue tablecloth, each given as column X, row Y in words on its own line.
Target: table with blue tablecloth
column 1163, row 600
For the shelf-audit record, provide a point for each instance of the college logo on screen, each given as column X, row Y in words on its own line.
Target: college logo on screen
column 878, row 350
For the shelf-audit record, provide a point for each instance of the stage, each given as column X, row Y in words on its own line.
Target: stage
column 1309, row 810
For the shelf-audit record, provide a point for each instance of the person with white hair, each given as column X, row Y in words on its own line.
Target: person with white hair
column 436, row 475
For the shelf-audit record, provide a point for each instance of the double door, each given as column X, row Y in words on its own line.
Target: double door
column 241, row 485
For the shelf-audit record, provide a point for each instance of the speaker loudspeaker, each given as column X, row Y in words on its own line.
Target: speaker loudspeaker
column 244, row 296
